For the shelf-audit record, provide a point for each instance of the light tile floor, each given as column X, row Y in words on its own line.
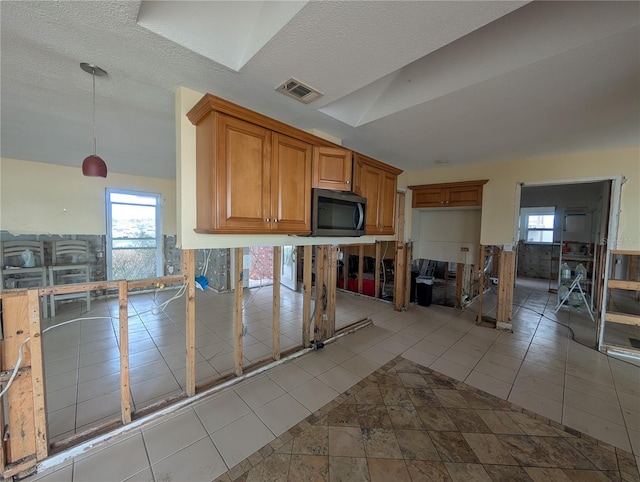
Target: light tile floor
column 538, row 367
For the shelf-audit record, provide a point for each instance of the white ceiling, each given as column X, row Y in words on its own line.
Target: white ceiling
column 408, row 83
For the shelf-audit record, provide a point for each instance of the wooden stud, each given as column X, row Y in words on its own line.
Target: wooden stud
column 360, row 266
column 480, row 283
column 446, row 282
column 125, row 382
column 37, row 376
column 459, row 277
column 401, row 215
column 275, row 322
column 188, row 271
column 623, row 319
column 19, row 400
column 321, row 254
column 379, row 265
column 623, row 284
column 407, row 278
column 329, row 326
column 400, row 267
column 237, row 313
column 306, row 295
column 345, row 267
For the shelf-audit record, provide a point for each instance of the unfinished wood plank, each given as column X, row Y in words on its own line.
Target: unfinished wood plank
column 125, row 382
column 623, row 285
column 329, row 326
column 188, row 271
column 237, row 313
column 379, row 265
column 481, row 283
column 318, row 322
column 275, row 322
column 446, row 283
column 401, row 215
column 630, row 252
column 345, row 266
column 360, row 266
column 307, row 269
column 459, row 276
column 622, row 318
column 407, row 278
column 400, row 267
column 19, row 398
column 37, row 376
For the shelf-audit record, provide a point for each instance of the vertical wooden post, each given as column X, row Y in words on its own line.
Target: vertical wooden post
column 37, row 376
column 345, row 266
column 275, row 322
column 482, row 258
column 459, row 276
column 329, row 326
column 19, row 399
column 400, row 276
column 125, row 382
column 237, row 313
column 188, row 271
column 360, row 266
column 407, row 278
column 318, row 327
column 446, row 283
column 306, row 301
column 379, row 265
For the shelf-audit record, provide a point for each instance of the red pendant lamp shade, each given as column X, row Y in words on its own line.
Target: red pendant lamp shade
column 93, row 165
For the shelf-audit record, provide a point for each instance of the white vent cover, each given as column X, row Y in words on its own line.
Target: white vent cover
column 299, row 91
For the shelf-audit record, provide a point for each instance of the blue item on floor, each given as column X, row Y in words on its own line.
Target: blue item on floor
column 202, row 282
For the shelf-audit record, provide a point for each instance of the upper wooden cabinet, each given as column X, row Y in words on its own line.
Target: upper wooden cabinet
column 453, row 194
column 378, row 183
column 332, row 168
column 253, row 173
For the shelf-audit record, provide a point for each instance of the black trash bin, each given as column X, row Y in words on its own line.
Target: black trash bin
column 412, row 297
column 424, row 285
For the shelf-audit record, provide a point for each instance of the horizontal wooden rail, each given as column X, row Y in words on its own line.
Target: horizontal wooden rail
column 623, row 319
column 101, row 285
column 623, row 284
column 629, row 252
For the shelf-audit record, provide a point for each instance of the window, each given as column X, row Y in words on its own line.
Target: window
column 539, row 225
column 133, row 235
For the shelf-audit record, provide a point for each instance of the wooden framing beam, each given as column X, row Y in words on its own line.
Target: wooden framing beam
column 379, row 265
column 306, row 295
column 360, row 266
column 407, row 276
column 125, row 382
column 623, row 285
column 622, row 318
column 400, row 276
column 37, row 377
column 189, row 271
column 459, row 277
column 446, row 283
column 275, row 322
column 331, row 269
column 318, row 327
column 482, row 259
column 237, row 313
column 345, row 266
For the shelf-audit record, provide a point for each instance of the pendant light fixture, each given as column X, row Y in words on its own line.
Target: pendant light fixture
column 93, row 165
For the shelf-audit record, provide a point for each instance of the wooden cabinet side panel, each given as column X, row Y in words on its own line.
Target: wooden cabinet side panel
column 370, row 188
column 387, row 211
column 332, row 168
column 205, row 167
column 464, row 196
column 291, row 185
column 242, row 178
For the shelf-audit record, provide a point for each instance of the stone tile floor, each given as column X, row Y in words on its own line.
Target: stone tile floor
column 405, row 422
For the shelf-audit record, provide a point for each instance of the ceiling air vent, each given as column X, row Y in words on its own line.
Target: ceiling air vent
column 296, row 89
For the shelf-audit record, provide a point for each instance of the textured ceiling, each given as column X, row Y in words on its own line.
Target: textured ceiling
column 405, row 82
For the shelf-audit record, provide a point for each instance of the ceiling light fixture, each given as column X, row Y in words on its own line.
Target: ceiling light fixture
column 93, row 165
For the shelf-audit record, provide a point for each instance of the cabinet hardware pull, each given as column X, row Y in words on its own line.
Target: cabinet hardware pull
column 267, row 220
column 275, row 220
column 348, row 182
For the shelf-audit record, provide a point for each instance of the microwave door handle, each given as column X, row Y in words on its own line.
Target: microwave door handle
column 360, row 219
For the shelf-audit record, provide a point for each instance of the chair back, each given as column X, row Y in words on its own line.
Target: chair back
column 11, row 253
column 70, row 251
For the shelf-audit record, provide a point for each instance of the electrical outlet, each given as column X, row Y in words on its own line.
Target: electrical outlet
column 464, row 249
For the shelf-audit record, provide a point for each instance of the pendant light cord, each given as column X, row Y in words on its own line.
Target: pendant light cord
column 93, row 75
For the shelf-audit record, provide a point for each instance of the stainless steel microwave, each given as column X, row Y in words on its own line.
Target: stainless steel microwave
column 337, row 213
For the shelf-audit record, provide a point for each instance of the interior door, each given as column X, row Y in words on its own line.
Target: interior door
column 288, row 273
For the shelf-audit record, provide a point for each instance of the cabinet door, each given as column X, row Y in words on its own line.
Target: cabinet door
column 332, row 168
column 428, row 197
column 291, row 185
column 464, row 196
column 242, row 176
column 387, row 210
column 370, row 182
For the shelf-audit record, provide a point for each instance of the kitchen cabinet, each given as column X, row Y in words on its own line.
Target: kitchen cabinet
column 252, row 180
column 332, row 168
column 377, row 182
column 455, row 194
column 253, row 173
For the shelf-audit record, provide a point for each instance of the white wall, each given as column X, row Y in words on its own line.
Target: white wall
column 499, row 203
column 187, row 200
column 440, row 234
column 41, row 198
